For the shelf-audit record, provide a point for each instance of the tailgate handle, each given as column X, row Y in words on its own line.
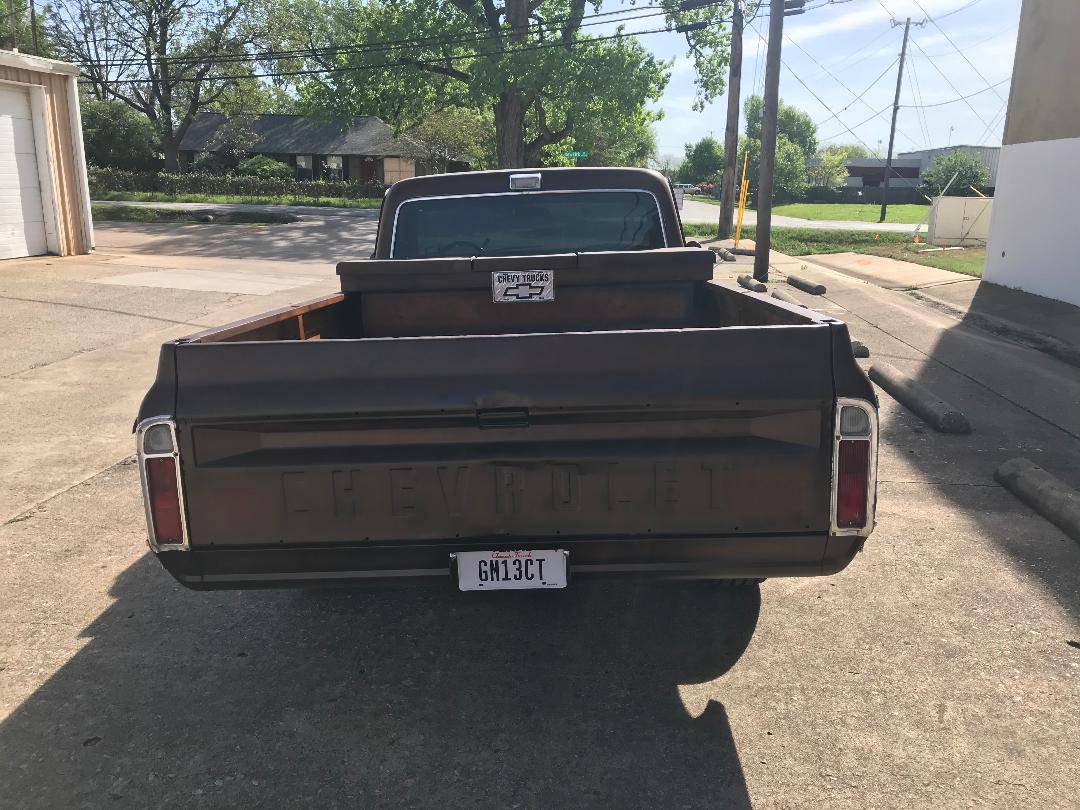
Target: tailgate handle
column 503, row 418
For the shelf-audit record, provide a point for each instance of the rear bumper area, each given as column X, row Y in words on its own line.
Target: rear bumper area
column 660, row 558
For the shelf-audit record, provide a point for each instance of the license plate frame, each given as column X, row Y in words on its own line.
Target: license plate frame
column 498, row 570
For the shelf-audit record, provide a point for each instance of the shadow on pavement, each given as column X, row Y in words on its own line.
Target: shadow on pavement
column 330, row 238
column 1020, row 402
column 403, row 696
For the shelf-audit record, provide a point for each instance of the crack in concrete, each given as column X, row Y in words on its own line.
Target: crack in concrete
column 28, row 512
column 98, row 309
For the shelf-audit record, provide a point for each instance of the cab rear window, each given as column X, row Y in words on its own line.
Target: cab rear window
column 527, row 224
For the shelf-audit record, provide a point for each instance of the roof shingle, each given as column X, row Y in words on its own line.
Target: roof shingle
column 301, row 135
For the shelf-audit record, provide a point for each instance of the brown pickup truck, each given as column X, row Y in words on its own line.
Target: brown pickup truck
column 533, row 379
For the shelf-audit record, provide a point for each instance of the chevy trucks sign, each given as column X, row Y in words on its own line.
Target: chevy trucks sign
column 516, row 286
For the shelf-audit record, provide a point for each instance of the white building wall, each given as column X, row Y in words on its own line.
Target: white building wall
column 1034, row 238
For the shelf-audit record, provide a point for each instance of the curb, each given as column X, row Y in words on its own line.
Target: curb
column 1032, row 338
column 751, row 284
column 1044, row 493
column 787, row 299
column 800, row 283
column 936, row 412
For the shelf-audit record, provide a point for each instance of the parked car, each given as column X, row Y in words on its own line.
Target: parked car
column 534, row 379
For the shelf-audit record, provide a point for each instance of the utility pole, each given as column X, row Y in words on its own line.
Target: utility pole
column 731, row 130
column 895, row 111
column 33, row 27
column 12, row 42
column 770, row 104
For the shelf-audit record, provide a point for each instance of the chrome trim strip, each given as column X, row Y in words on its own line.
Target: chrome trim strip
column 140, row 433
column 871, row 478
column 659, row 212
column 284, row 576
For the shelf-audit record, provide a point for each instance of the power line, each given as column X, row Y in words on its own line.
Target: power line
column 962, row 55
column 916, row 95
column 994, row 121
column 384, row 66
column 849, row 65
column 471, row 37
column 1011, row 29
column 880, row 76
column 856, row 126
column 948, row 81
column 857, row 96
column 955, row 100
column 958, row 10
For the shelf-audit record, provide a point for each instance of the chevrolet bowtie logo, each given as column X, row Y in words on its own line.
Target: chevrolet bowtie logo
column 524, row 291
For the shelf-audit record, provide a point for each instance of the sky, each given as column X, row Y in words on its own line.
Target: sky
column 839, row 49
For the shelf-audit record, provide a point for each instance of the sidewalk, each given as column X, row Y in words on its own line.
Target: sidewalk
column 1052, row 327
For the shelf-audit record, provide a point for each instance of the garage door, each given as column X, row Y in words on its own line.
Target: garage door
column 22, row 220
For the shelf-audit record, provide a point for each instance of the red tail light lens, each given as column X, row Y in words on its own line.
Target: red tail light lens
column 853, row 477
column 164, row 500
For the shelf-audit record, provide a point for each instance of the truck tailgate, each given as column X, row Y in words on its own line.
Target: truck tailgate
column 690, row 432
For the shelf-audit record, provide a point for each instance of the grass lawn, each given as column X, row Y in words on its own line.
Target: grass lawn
column 909, row 214
column 157, row 196
column 808, row 241
column 134, row 213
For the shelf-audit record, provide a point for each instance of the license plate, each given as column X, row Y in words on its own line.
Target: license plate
column 514, row 287
column 511, row 570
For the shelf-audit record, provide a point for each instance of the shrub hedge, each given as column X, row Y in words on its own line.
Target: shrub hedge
column 106, row 179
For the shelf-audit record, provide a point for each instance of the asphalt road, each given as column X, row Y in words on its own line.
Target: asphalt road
column 942, row 668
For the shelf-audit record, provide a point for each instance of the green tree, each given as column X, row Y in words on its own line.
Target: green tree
column 115, row 135
column 968, row 167
column 266, row 167
column 17, row 29
column 703, row 161
column 525, row 61
column 626, row 141
column 167, row 59
column 829, row 165
column 229, row 145
column 791, row 122
column 790, row 171
column 453, row 135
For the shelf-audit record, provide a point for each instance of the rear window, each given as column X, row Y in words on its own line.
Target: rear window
column 526, row 224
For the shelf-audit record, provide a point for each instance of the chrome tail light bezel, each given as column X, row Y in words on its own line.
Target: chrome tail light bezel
column 871, row 475
column 141, row 429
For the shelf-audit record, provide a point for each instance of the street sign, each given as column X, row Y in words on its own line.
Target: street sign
column 581, row 154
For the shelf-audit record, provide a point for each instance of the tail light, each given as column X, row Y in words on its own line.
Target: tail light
column 854, row 467
column 163, row 496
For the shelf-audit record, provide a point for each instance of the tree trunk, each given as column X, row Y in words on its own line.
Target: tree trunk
column 510, row 130
column 170, row 149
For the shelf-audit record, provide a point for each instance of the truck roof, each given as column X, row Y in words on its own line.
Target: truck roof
column 551, row 179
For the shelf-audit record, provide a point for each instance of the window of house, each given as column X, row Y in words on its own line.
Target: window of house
column 334, row 167
column 303, row 167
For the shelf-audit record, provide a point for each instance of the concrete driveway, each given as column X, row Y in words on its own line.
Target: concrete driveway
column 323, row 236
column 941, row 668
column 700, row 212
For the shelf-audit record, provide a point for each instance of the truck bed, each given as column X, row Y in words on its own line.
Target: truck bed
column 648, row 419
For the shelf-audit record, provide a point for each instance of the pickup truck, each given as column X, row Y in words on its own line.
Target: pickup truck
column 533, row 379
